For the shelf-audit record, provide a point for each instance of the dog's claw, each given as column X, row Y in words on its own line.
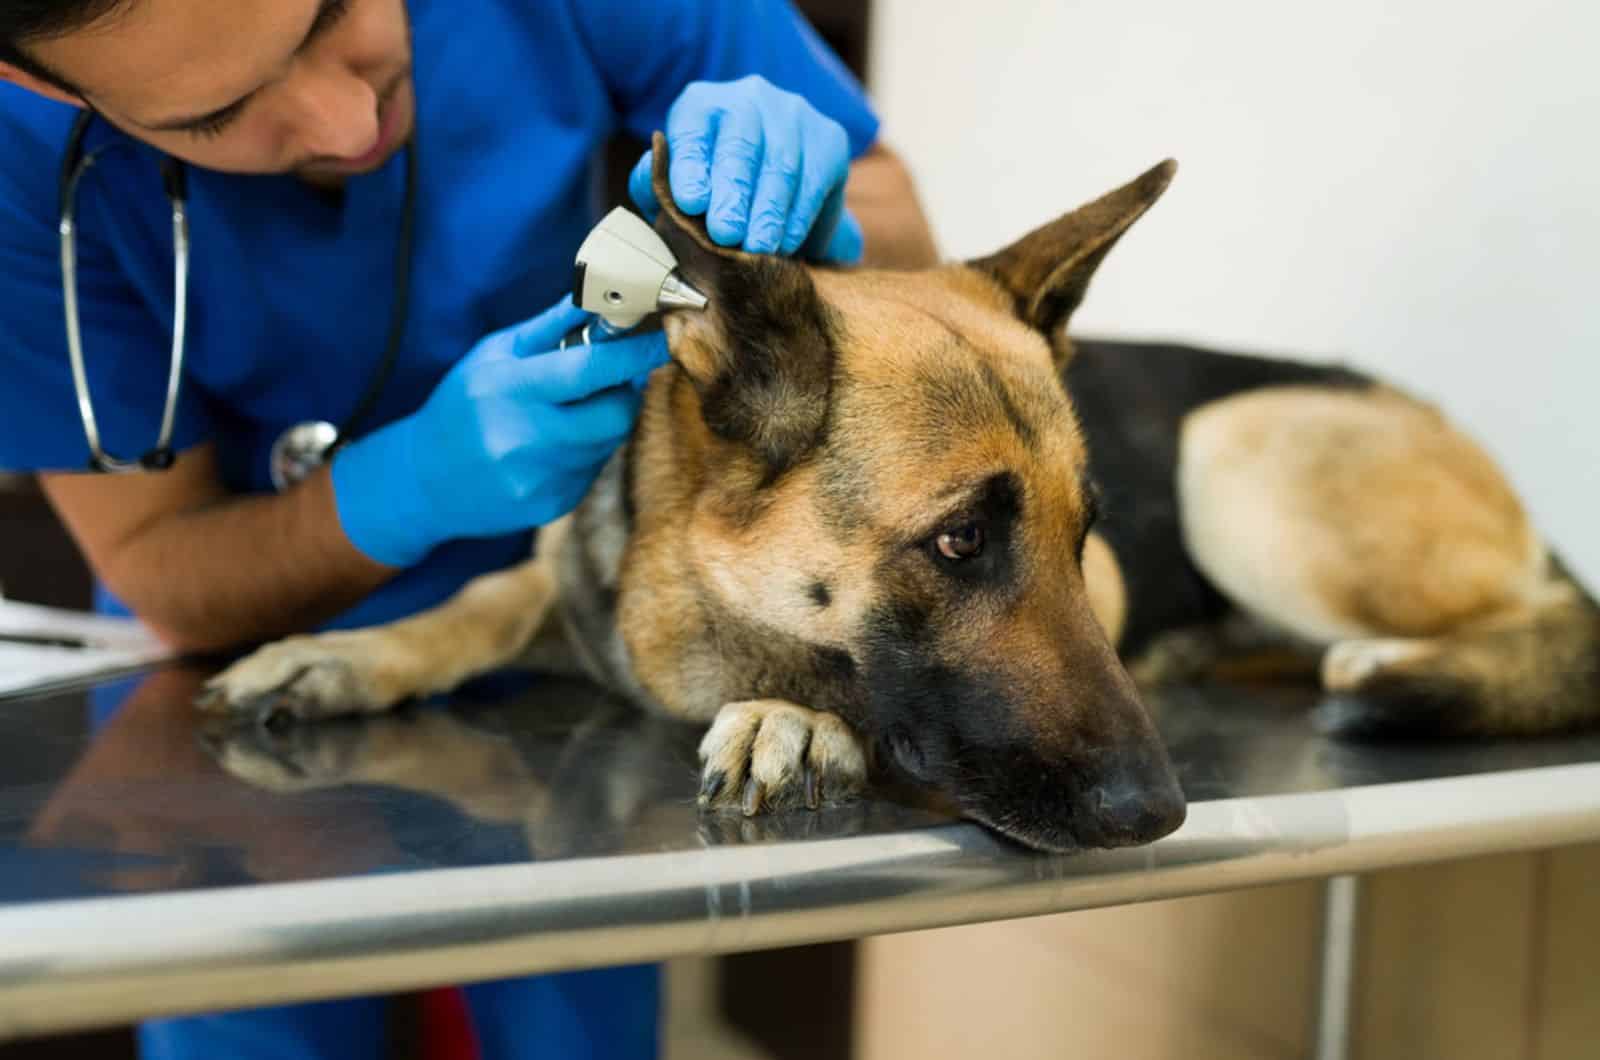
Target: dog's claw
column 770, row 756
column 711, row 786
column 754, row 792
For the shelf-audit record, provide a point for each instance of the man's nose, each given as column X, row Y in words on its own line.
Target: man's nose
column 335, row 111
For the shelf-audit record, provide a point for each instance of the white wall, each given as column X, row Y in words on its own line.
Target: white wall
column 1411, row 185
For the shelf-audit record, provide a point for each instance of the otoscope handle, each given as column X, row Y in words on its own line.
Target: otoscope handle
column 595, row 330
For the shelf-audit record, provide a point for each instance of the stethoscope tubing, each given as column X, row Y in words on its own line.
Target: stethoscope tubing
column 74, row 164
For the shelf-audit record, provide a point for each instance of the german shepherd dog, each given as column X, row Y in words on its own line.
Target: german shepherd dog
column 898, row 520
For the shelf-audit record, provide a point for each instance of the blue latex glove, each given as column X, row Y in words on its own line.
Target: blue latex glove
column 511, row 438
column 765, row 167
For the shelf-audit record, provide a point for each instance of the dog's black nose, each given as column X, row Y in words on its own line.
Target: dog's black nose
column 1125, row 813
column 1135, row 800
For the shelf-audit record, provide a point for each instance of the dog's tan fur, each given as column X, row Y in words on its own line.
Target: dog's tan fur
column 774, row 574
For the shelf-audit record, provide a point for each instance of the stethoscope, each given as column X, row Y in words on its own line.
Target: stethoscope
column 300, row 449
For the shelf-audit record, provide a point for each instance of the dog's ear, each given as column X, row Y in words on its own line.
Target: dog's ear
column 761, row 354
column 1048, row 270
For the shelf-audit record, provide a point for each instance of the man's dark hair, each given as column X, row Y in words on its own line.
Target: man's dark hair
column 22, row 21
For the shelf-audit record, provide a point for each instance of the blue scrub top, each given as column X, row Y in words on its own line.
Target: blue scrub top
column 291, row 289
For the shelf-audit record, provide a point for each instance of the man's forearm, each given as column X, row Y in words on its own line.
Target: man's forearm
column 229, row 571
column 248, row 568
column 883, row 198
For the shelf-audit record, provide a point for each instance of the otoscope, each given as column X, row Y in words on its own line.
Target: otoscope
column 624, row 272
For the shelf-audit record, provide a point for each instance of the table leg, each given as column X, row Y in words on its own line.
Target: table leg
column 1340, row 899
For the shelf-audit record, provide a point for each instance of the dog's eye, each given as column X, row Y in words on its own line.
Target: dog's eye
column 963, row 543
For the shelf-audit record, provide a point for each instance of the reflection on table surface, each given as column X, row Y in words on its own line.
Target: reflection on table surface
column 125, row 788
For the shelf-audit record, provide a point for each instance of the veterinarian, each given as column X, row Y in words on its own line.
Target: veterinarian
column 352, row 403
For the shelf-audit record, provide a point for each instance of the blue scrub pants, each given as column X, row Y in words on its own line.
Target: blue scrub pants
column 607, row 1014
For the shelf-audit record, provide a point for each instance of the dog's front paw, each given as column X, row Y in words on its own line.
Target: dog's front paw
column 310, row 677
column 767, row 754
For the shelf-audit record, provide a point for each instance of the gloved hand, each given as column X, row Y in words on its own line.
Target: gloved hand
column 511, row 438
column 765, row 167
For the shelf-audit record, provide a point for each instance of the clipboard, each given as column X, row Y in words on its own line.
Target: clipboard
column 42, row 648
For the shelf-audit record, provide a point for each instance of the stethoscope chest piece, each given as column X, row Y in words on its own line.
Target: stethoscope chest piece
column 299, row 451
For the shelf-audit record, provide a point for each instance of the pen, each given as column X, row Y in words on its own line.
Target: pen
column 46, row 640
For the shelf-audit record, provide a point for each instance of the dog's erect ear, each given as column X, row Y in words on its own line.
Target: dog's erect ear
column 761, row 354
column 1047, row 271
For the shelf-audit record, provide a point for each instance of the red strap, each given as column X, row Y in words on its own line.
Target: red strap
column 447, row 1032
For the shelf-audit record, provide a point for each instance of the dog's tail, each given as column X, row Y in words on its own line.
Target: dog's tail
column 1533, row 671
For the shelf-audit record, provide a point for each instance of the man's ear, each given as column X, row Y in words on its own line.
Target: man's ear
column 761, row 354
column 37, row 85
column 1048, row 270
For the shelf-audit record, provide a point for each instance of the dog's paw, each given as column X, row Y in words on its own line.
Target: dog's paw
column 1350, row 664
column 766, row 754
column 1389, row 688
column 309, row 677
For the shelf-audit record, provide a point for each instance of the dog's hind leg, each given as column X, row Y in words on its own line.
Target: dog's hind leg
column 1360, row 520
column 488, row 624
